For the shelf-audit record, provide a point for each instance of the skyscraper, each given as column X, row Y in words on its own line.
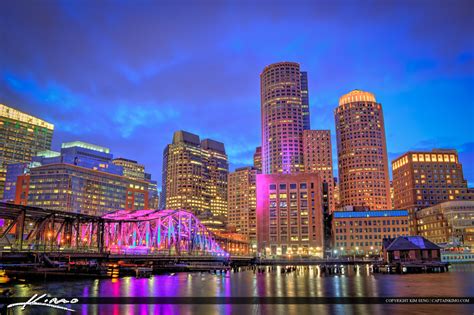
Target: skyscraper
column 21, row 137
column 362, row 152
column 289, row 200
column 305, row 100
column 242, row 202
column 195, row 177
column 425, row 178
column 282, row 118
column 317, row 156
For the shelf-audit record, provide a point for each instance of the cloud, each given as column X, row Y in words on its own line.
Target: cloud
column 130, row 118
column 129, row 78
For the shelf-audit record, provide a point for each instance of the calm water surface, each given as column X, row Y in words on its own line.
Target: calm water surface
column 459, row 282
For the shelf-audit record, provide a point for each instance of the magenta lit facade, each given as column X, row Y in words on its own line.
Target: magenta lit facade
column 289, row 216
column 282, row 118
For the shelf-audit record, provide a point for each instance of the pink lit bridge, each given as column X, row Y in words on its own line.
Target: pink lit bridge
column 158, row 233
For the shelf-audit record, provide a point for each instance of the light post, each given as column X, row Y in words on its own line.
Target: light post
column 335, row 253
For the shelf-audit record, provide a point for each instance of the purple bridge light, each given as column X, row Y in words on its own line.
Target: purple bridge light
column 170, row 232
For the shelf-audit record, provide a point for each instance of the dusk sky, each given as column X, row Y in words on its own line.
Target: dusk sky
column 126, row 75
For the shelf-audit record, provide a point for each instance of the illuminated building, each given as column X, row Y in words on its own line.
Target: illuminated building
column 257, row 159
column 81, row 179
column 134, row 170
column 362, row 152
column 448, row 222
column 241, row 194
column 317, row 157
column 305, row 100
column 362, row 232
column 195, row 178
column 21, row 137
column 282, row 118
column 131, row 169
column 424, row 178
column 289, row 216
column 153, row 195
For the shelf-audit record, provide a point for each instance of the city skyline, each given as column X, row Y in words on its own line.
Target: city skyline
column 124, row 104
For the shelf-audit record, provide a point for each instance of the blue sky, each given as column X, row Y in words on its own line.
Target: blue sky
column 128, row 74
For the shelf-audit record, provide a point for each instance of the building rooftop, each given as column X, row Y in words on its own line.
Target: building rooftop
column 85, row 145
column 357, row 96
column 408, row 243
column 370, row 214
column 186, row 137
column 213, row 145
column 14, row 114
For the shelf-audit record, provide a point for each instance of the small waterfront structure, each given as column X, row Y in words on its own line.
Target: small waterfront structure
column 416, row 249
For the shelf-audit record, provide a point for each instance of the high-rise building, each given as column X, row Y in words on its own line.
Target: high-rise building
column 362, row 232
column 425, row 178
column 131, row 168
column 21, row 137
column 289, row 215
column 448, row 222
column 305, row 100
column 317, row 157
column 289, row 200
column 80, row 179
column 195, row 177
column 362, row 152
column 242, row 203
column 257, row 159
column 282, row 118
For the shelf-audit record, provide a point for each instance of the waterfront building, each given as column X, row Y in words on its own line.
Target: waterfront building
column 362, row 232
column 21, row 137
column 425, row 178
column 317, row 158
column 195, row 178
column 242, row 203
column 289, row 215
column 415, row 249
column 80, row 179
column 282, row 118
column 450, row 222
column 257, row 159
column 362, row 152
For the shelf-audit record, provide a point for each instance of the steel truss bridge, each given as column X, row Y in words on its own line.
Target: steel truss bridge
column 123, row 232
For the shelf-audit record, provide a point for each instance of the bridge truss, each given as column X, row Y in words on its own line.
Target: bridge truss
column 173, row 232
column 167, row 232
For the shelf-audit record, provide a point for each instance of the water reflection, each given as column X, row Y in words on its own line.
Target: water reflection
column 305, row 281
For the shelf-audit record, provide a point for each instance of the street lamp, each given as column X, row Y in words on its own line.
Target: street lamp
column 335, row 252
